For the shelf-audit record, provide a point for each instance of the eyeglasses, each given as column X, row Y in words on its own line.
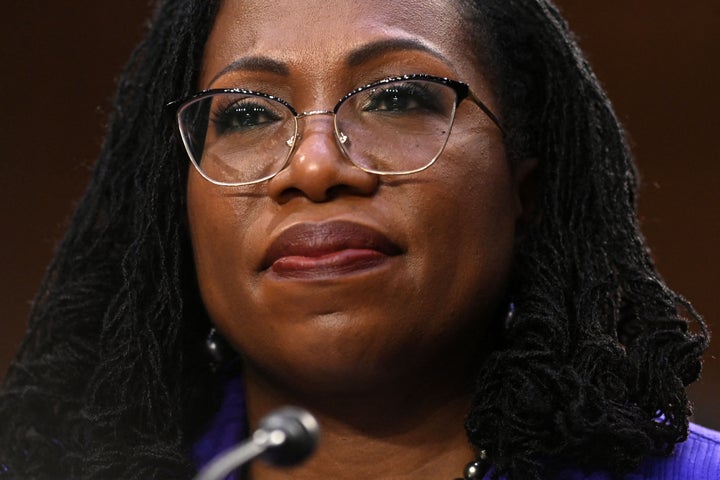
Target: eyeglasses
column 395, row 126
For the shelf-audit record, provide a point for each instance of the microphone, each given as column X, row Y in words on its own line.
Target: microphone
column 285, row 437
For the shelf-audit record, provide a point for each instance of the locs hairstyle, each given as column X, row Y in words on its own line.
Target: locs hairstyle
column 111, row 382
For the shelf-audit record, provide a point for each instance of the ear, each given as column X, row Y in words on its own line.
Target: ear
column 525, row 184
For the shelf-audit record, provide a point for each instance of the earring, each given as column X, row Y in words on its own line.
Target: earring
column 510, row 315
column 215, row 348
column 477, row 469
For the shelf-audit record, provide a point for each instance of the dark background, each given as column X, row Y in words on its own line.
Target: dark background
column 659, row 63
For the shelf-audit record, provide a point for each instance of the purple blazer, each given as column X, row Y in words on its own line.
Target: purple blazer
column 698, row 458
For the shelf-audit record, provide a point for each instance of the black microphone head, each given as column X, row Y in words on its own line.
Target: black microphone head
column 301, row 431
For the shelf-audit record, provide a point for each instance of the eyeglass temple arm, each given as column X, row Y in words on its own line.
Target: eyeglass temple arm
column 487, row 111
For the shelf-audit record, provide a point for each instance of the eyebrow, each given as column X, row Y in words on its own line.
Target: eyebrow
column 256, row 63
column 363, row 54
column 375, row 49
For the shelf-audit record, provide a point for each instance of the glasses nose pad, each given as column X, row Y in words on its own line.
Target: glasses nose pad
column 290, row 142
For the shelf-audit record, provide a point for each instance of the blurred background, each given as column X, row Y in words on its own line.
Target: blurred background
column 658, row 62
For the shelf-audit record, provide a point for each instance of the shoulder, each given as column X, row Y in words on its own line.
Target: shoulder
column 697, row 458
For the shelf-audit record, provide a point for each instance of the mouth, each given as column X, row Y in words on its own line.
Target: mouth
column 315, row 250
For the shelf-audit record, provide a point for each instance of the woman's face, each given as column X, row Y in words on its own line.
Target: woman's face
column 330, row 276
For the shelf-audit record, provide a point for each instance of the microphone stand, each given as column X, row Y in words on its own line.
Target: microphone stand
column 286, row 436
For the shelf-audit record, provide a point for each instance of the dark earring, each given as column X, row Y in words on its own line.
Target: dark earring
column 477, row 469
column 216, row 348
column 510, row 315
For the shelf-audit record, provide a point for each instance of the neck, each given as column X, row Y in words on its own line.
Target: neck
column 393, row 433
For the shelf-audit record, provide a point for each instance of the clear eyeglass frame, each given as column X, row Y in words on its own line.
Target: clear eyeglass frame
column 459, row 90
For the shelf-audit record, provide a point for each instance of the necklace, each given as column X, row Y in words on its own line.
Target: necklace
column 476, row 469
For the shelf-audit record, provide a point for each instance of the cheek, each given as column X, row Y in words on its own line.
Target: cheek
column 469, row 211
column 221, row 244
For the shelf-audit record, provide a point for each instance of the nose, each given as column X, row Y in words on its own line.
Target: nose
column 317, row 168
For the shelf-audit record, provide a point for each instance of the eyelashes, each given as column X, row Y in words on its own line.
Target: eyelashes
column 251, row 113
column 400, row 98
column 239, row 115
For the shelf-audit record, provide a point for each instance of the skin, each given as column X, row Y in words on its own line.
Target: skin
column 381, row 355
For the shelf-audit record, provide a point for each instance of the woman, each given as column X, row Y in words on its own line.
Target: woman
column 440, row 270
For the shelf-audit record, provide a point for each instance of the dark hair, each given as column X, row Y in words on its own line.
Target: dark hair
column 594, row 365
column 111, row 382
column 109, row 378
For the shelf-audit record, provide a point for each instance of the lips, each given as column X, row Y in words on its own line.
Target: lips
column 327, row 249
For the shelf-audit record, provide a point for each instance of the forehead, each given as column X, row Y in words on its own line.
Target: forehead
column 319, row 37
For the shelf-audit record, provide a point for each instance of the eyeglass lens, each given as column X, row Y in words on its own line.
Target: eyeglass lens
column 392, row 127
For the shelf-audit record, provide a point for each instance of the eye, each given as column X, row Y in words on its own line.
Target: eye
column 402, row 97
column 242, row 114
